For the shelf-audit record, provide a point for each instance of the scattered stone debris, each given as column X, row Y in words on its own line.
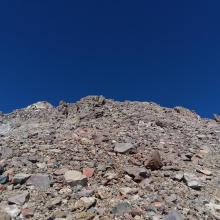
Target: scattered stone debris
column 100, row 159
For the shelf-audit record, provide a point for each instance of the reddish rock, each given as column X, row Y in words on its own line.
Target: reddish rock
column 158, row 204
column 1, row 187
column 27, row 212
column 89, row 172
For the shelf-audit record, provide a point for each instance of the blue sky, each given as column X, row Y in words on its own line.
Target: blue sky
column 167, row 52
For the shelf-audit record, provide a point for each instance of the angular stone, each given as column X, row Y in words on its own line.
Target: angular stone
column 154, row 161
column 178, row 176
column 19, row 199
column 39, row 181
column 20, row 178
column 194, row 184
column 74, row 178
column 137, row 173
column 192, row 181
column 123, row 147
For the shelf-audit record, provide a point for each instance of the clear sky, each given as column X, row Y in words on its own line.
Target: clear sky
column 167, row 52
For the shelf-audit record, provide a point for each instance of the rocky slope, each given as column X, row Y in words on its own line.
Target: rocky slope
column 102, row 159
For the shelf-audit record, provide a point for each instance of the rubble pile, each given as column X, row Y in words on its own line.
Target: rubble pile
column 100, row 159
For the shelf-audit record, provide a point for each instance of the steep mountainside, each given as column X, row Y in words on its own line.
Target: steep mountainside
column 103, row 159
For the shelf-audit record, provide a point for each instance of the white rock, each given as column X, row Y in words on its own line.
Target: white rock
column 5, row 128
column 74, row 178
column 40, row 105
column 12, row 210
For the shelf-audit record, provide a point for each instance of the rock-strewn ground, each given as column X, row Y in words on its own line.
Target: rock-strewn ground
column 102, row 159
